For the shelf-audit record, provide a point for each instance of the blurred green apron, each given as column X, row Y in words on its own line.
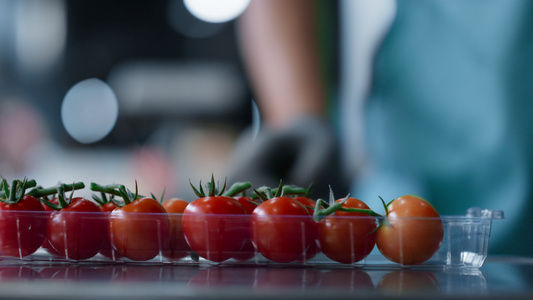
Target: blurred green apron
column 450, row 116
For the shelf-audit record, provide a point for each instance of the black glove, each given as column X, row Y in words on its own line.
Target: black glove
column 302, row 154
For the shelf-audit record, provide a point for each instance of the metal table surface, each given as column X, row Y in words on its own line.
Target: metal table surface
column 499, row 278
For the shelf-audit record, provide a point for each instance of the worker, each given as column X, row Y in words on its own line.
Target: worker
column 444, row 113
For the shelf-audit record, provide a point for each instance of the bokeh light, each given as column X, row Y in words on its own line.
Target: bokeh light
column 89, row 111
column 216, row 11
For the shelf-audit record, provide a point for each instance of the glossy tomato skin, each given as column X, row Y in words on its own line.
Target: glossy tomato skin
column 314, row 248
column 247, row 251
column 307, row 202
column 282, row 230
column 215, row 227
column 107, row 249
column 348, row 237
column 139, row 230
column 177, row 246
column 414, row 233
column 75, row 231
column 247, row 203
column 22, row 227
column 46, row 243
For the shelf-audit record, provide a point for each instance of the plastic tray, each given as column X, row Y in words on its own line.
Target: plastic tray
column 465, row 243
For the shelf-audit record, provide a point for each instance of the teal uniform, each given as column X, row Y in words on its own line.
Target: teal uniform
column 450, row 115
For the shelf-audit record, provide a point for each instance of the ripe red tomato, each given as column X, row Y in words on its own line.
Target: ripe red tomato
column 215, row 227
column 248, row 250
column 107, row 249
column 310, row 205
column 307, row 202
column 75, row 231
column 412, row 232
column 139, row 229
column 247, row 203
column 177, row 246
column 282, row 229
column 23, row 226
column 46, row 243
column 347, row 237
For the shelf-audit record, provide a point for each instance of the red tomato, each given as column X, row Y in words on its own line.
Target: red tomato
column 177, row 245
column 282, row 229
column 46, row 243
column 414, row 231
column 307, row 202
column 247, row 203
column 215, row 227
column 108, row 207
column 139, row 229
column 107, row 249
column 248, row 250
column 75, row 231
column 347, row 237
column 23, row 227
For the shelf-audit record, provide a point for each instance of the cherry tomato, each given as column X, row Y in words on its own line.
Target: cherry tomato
column 412, row 232
column 177, row 245
column 139, row 229
column 23, row 227
column 215, row 227
column 282, row 229
column 75, row 231
column 107, row 249
column 347, row 237
column 23, row 222
column 307, row 202
column 247, row 203
column 46, row 242
column 248, row 250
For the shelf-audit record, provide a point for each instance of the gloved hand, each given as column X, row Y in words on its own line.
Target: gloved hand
column 304, row 153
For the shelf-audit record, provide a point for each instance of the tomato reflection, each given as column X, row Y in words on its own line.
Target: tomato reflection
column 224, row 276
column 77, row 273
column 12, row 273
column 408, row 282
column 288, row 278
column 347, row 280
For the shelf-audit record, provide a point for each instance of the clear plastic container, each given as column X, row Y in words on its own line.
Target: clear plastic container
column 150, row 239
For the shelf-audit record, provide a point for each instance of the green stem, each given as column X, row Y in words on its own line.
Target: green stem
column 108, row 189
column 337, row 206
column 294, row 190
column 42, row 192
column 237, row 188
column 61, row 197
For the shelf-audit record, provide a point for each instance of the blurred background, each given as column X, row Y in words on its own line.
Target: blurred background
column 117, row 91
column 113, row 91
